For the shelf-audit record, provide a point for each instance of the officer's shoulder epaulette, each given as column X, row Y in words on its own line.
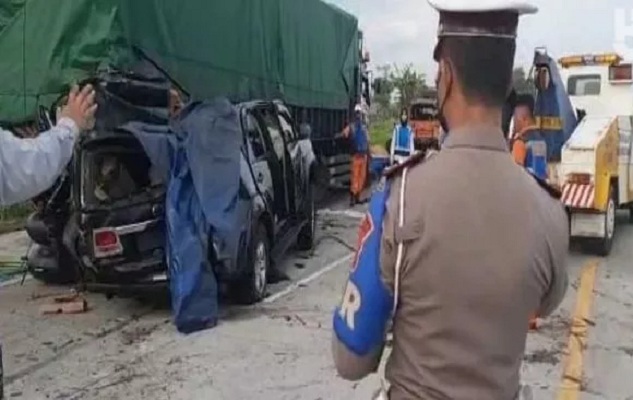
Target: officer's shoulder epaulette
column 417, row 158
column 552, row 191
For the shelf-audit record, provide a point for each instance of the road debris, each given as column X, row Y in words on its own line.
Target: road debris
column 47, row 295
column 137, row 334
column 73, row 303
column 543, row 356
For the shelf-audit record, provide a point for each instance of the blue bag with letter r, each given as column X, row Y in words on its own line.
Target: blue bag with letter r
column 360, row 321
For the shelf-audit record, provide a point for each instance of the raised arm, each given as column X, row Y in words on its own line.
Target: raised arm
column 29, row 167
column 361, row 319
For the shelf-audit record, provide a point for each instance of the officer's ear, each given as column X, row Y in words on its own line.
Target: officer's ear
column 445, row 77
column 447, row 72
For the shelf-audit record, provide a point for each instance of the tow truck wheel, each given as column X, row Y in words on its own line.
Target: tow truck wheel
column 604, row 244
column 252, row 287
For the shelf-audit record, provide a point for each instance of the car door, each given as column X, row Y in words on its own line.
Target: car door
column 295, row 173
column 276, row 158
column 259, row 154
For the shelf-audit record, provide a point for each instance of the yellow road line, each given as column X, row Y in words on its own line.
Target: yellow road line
column 573, row 371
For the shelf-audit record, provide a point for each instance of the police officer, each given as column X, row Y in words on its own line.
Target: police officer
column 465, row 270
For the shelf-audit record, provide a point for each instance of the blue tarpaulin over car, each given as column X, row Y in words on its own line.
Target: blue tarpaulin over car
column 200, row 153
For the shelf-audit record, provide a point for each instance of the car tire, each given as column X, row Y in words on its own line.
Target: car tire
column 64, row 274
column 305, row 239
column 251, row 288
column 52, row 277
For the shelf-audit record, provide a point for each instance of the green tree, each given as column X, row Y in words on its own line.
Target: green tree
column 521, row 82
column 383, row 88
column 405, row 83
column 410, row 83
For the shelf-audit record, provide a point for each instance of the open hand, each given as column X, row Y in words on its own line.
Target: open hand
column 81, row 107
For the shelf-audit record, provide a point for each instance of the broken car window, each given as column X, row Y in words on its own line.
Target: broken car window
column 255, row 136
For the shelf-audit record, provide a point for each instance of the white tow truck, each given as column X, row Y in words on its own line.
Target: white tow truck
column 595, row 171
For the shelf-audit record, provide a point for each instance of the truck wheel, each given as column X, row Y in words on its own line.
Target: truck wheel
column 251, row 288
column 604, row 244
column 305, row 240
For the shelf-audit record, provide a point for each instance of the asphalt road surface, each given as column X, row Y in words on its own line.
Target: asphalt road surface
column 280, row 349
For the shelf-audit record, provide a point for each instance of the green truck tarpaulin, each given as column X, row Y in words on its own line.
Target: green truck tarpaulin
column 303, row 51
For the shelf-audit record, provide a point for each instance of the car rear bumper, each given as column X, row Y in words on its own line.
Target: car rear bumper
column 149, row 271
column 128, row 288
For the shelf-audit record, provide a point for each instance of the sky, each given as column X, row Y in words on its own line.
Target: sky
column 404, row 31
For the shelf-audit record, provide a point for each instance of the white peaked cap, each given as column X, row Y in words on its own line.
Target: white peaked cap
column 481, row 6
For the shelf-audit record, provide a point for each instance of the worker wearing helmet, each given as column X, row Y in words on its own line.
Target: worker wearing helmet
column 456, row 267
column 358, row 134
column 402, row 141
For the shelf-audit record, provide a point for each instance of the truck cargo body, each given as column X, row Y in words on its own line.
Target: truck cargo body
column 305, row 52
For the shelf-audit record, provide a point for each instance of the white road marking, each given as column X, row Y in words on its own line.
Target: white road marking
column 294, row 286
column 15, row 281
column 342, row 213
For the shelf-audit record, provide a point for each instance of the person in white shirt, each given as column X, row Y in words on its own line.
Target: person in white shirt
column 29, row 167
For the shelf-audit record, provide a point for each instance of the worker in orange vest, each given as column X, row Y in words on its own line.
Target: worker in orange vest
column 525, row 129
column 358, row 134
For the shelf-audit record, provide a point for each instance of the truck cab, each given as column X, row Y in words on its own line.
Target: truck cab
column 600, row 85
column 424, row 122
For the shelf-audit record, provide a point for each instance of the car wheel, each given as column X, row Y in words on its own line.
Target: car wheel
column 251, row 288
column 305, row 240
column 56, row 270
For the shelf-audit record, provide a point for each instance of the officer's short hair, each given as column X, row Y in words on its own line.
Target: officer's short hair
column 483, row 66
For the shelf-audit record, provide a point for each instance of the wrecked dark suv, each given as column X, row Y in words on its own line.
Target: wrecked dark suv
column 104, row 222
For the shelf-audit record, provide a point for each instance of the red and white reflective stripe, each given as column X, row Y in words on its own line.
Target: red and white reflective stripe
column 578, row 196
